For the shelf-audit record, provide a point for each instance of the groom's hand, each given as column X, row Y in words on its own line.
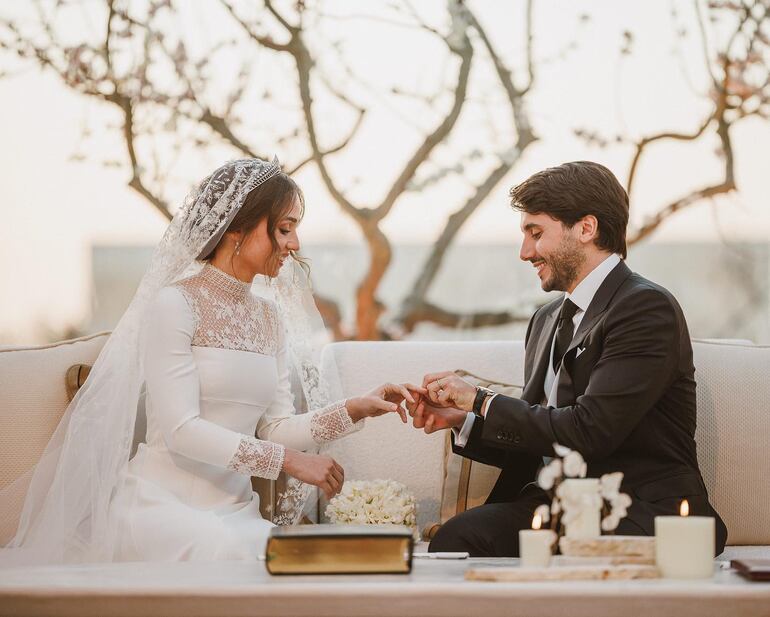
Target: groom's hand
column 431, row 418
column 449, row 390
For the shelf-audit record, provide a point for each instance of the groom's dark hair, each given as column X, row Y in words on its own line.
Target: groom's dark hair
column 573, row 190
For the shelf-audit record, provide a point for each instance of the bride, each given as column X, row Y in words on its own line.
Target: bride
column 216, row 362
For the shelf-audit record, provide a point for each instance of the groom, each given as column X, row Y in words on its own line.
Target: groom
column 608, row 372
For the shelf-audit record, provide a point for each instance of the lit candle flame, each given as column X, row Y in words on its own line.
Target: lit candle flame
column 684, row 509
column 537, row 521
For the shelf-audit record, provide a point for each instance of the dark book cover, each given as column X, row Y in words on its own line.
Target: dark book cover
column 339, row 549
column 752, row 569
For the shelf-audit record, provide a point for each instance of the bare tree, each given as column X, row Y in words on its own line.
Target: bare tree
column 740, row 88
column 164, row 88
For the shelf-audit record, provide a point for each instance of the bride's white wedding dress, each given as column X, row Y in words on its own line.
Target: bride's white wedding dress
column 217, row 375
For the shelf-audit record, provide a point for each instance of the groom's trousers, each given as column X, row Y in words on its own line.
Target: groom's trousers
column 492, row 530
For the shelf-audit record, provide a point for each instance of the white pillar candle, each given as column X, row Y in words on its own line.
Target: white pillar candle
column 536, row 545
column 684, row 545
column 584, row 493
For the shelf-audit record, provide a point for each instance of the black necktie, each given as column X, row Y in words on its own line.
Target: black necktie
column 565, row 330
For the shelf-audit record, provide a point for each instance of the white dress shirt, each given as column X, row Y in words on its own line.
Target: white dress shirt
column 581, row 296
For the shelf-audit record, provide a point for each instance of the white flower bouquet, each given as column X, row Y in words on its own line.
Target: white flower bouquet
column 373, row 502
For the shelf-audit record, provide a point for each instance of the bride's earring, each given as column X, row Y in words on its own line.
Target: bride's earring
column 238, row 247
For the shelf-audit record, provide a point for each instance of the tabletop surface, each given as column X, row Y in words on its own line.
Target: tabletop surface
column 435, row 587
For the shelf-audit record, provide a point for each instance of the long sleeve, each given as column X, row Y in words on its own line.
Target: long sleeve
column 301, row 431
column 462, row 434
column 174, row 389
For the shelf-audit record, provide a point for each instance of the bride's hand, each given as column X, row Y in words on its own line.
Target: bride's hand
column 316, row 469
column 386, row 398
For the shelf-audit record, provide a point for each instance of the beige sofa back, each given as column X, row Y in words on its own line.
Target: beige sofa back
column 33, row 397
column 733, row 420
column 732, row 436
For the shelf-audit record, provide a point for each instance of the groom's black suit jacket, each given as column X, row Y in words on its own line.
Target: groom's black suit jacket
column 626, row 402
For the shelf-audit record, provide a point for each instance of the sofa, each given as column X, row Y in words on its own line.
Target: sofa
column 733, row 434
column 733, row 424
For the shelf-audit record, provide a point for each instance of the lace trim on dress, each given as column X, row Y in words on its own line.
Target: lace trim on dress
column 332, row 422
column 255, row 457
column 228, row 315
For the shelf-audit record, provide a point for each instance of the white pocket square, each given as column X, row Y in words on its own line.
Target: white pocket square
column 579, row 351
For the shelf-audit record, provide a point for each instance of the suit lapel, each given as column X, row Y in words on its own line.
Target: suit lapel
column 565, row 393
column 533, row 389
column 599, row 303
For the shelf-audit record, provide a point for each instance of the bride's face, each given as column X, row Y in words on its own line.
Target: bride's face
column 259, row 253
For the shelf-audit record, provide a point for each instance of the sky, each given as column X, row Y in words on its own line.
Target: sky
column 54, row 209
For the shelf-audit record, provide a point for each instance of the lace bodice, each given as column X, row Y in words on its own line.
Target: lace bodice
column 204, row 399
column 228, row 315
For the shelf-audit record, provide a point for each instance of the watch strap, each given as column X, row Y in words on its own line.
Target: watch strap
column 478, row 402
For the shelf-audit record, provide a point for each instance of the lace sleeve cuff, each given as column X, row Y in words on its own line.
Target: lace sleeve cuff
column 256, row 457
column 332, row 422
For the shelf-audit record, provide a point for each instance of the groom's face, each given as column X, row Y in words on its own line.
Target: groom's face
column 553, row 249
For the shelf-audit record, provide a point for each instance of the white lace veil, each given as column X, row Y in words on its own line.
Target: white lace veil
column 67, row 495
column 306, row 335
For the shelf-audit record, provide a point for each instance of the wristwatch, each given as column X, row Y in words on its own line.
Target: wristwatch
column 478, row 403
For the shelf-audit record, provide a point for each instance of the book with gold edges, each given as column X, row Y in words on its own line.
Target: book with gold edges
column 339, row 549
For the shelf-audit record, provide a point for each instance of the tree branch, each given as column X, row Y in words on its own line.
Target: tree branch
column 436, row 137
column 727, row 185
column 515, row 96
column 128, row 134
column 530, row 67
column 220, row 126
column 292, row 29
column 108, row 35
column 648, row 228
column 416, row 297
column 341, row 146
column 705, row 44
column 428, row 312
column 304, row 66
column 642, row 144
column 265, row 41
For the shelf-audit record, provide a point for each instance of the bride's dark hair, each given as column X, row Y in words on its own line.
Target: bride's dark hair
column 273, row 199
